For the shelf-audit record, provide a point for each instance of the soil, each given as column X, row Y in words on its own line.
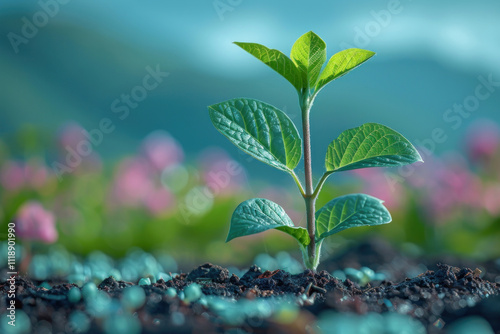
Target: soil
column 436, row 297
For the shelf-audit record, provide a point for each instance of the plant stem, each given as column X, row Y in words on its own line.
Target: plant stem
column 310, row 200
column 320, row 184
column 311, row 263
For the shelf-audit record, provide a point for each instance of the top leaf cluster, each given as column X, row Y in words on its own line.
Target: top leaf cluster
column 308, row 56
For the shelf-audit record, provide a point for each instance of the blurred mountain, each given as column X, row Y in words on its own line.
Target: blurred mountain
column 88, row 55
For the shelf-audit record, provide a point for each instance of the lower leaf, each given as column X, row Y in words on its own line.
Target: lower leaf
column 350, row 211
column 258, row 215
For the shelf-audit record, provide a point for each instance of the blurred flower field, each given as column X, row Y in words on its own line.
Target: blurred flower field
column 160, row 199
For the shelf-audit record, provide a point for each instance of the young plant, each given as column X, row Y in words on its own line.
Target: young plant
column 269, row 135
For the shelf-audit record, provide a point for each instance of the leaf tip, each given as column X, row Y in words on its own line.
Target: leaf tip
column 369, row 54
column 418, row 157
column 312, row 33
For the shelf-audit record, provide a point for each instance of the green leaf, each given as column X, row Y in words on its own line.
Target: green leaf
column 341, row 63
column 276, row 60
column 258, row 215
column 370, row 145
column 350, row 211
column 309, row 54
column 259, row 129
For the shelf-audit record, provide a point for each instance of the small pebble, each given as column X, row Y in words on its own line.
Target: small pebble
column 100, row 305
column 152, row 278
column 387, row 303
column 203, row 301
column 439, row 323
column 74, row 295
column 23, row 324
column 339, row 274
column 133, row 297
column 39, row 267
column 171, row 292
column 368, row 272
column 145, row 281
column 164, row 276
column 45, row 285
column 192, row 292
column 89, row 290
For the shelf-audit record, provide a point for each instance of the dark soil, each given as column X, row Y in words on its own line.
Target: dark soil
column 436, row 297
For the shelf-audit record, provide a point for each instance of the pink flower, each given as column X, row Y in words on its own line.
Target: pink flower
column 491, row 199
column 483, row 139
column 71, row 134
column 161, row 150
column 77, row 150
column 137, row 185
column 159, row 201
column 221, row 174
column 377, row 184
column 449, row 187
column 33, row 222
column 133, row 182
column 36, row 174
column 463, row 186
column 424, row 173
column 12, row 176
column 16, row 175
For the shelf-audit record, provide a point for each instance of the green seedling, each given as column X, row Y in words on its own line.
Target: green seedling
column 269, row 135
